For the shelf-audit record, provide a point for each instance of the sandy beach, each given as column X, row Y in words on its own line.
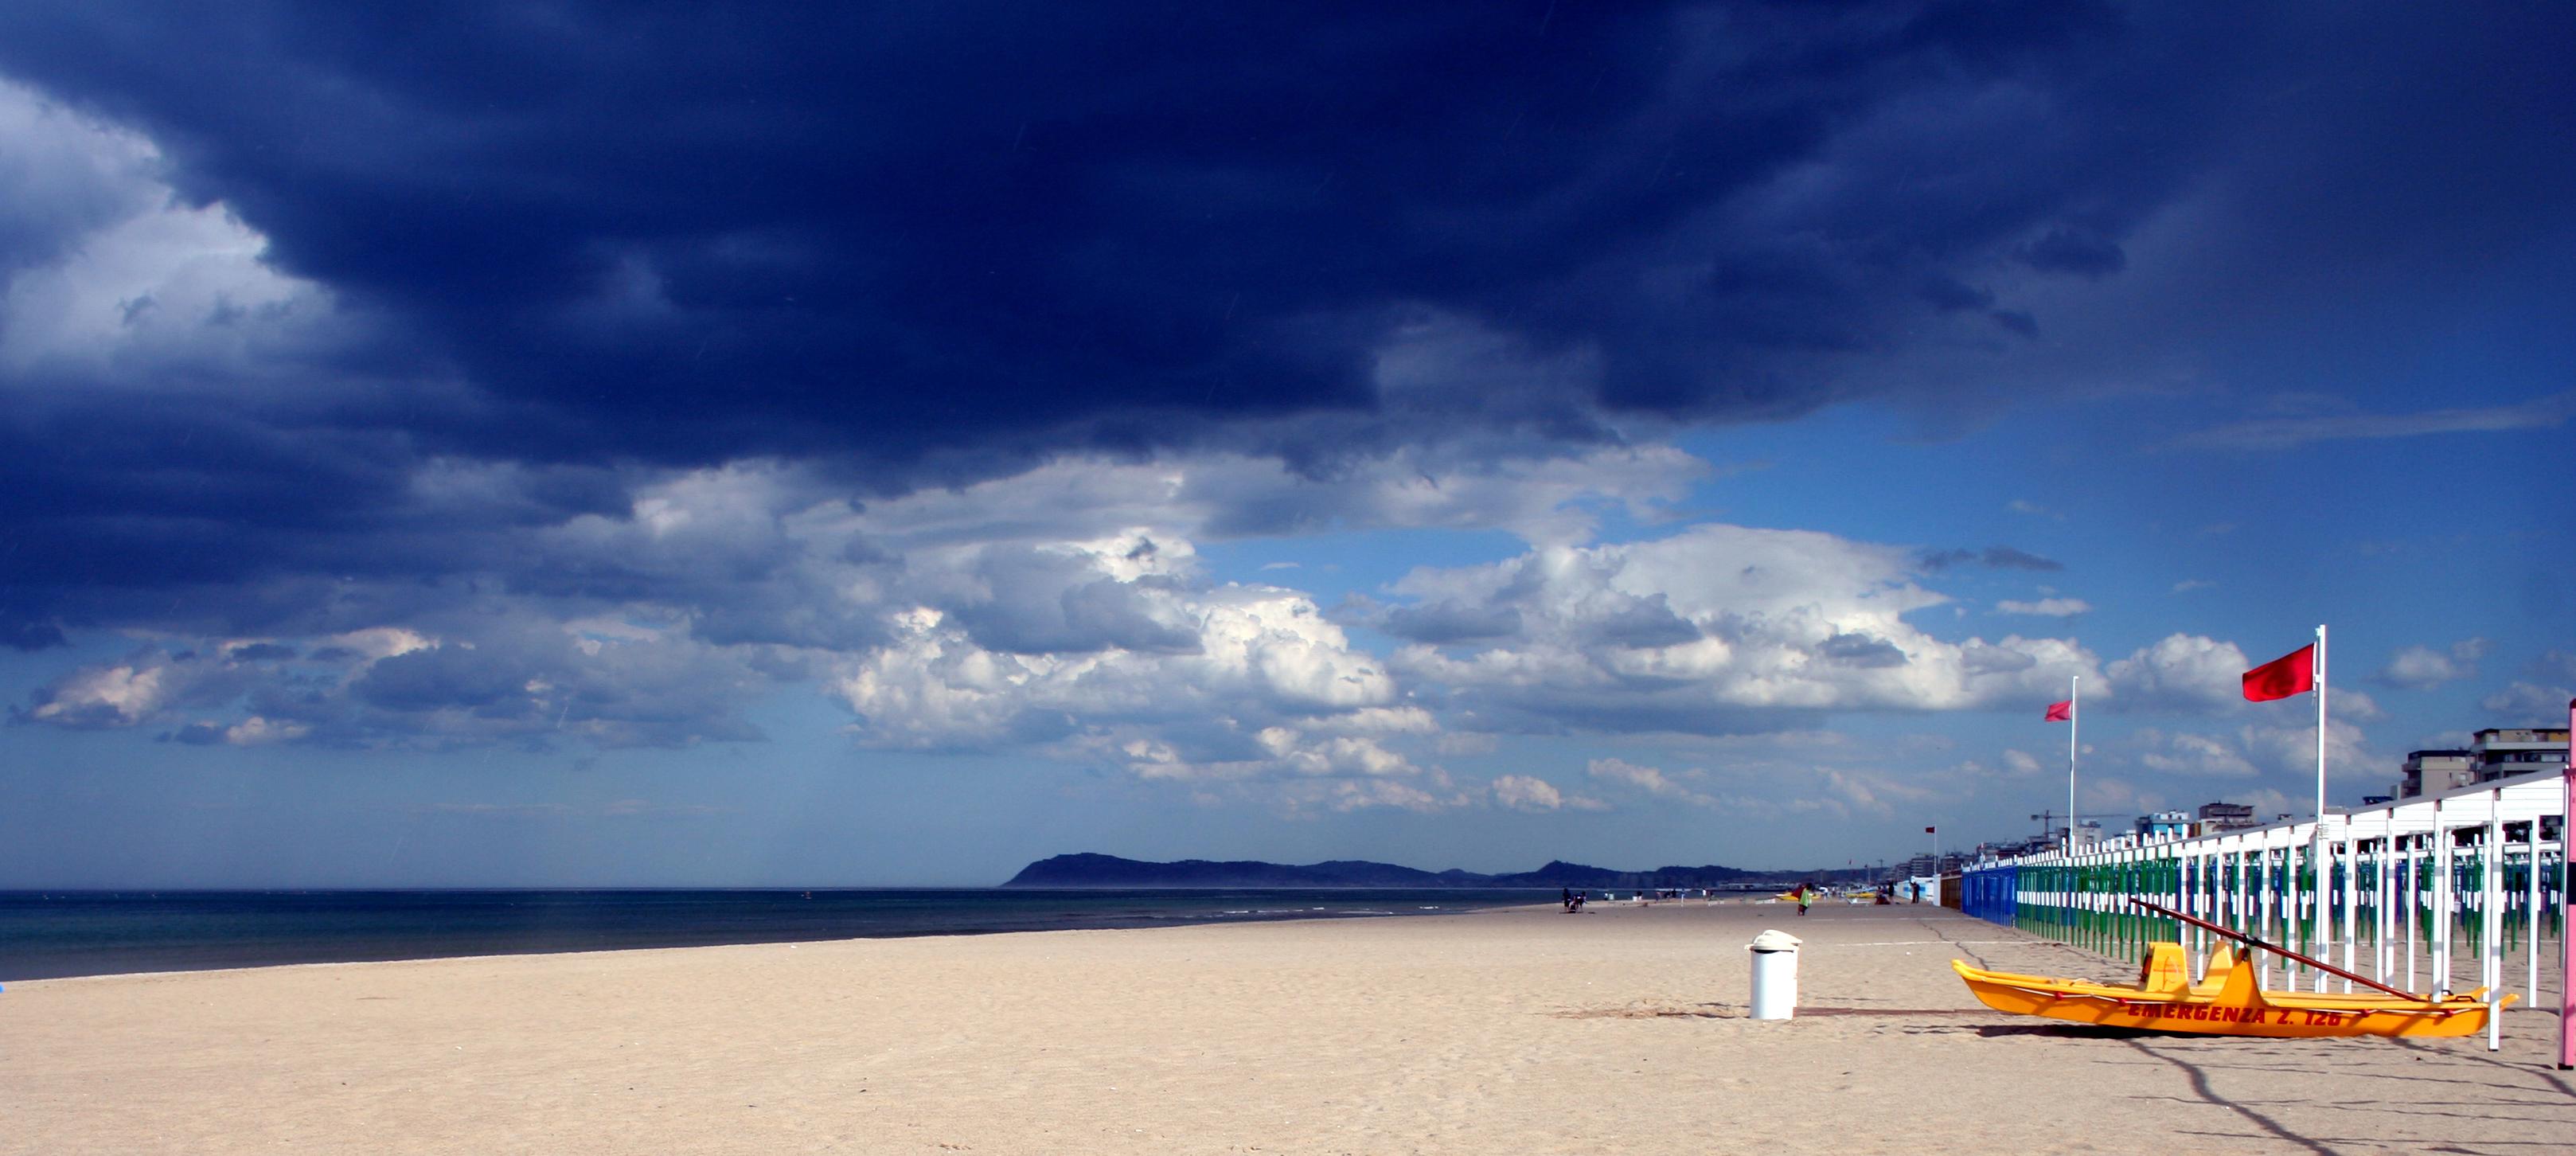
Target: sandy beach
column 1618, row 1030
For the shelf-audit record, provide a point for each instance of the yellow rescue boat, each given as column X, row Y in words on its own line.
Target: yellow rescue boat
column 2230, row 1002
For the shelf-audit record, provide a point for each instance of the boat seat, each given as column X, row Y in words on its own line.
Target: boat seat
column 2221, row 961
column 2167, row 968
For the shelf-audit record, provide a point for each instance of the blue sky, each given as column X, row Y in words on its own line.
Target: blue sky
column 608, row 447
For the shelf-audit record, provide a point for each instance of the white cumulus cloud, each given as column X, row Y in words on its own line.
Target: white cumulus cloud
column 2183, row 672
column 138, row 277
column 2423, row 668
column 2522, row 700
column 1525, row 793
column 1714, row 623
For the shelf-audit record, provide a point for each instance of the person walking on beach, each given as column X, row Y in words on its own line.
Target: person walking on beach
column 1802, row 899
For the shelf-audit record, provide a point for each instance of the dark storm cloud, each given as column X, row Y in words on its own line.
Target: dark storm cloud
column 541, row 255
column 979, row 235
column 978, row 232
column 196, row 516
column 181, row 491
column 690, row 236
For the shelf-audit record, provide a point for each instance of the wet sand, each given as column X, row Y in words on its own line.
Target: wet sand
column 1618, row 1030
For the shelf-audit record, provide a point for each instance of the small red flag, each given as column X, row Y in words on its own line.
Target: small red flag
column 2061, row 711
column 2292, row 673
column 1927, row 830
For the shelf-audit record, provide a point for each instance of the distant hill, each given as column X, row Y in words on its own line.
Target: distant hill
column 1089, row 870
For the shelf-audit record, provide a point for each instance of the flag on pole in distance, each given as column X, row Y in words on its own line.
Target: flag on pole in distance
column 1927, row 830
column 2061, row 711
column 2292, row 673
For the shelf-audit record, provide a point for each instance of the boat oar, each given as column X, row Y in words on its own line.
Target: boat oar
column 2276, row 949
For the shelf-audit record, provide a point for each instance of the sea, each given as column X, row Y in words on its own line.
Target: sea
column 52, row 934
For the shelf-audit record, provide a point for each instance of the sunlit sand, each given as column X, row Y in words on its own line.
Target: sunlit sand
column 1618, row 1030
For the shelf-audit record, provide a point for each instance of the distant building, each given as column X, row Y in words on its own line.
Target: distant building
column 2493, row 753
column 2015, row 847
column 2502, row 752
column 2216, row 817
column 1925, row 866
column 2433, row 772
column 2166, row 825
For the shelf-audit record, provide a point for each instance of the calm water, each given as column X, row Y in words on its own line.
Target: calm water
column 60, row 933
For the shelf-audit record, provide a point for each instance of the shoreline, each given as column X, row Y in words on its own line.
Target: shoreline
column 677, row 947
column 675, row 940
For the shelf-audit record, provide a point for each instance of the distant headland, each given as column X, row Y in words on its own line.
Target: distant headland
column 1090, row 870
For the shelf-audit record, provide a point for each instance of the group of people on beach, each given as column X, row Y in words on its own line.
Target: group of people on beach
column 1574, row 899
column 1805, row 894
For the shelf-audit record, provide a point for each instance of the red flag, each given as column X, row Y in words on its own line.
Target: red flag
column 2061, row 711
column 2292, row 673
column 1927, row 830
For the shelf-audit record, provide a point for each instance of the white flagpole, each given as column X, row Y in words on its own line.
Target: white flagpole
column 2566, row 899
column 2074, row 698
column 2317, row 934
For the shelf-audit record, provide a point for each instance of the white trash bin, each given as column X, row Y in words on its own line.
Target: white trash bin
column 1775, row 975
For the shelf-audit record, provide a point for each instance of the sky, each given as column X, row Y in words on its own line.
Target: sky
column 667, row 445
